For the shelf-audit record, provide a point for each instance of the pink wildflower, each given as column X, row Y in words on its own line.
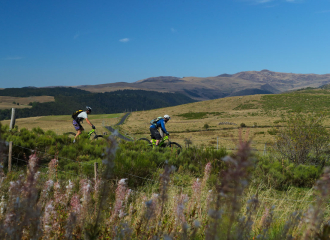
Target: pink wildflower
column 33, row 162
column 264, row 222
column 47, row 220
column 97, row 185
column 15, row 189
column 9, row 219
column 153, row 209
column 120, row 198
column 75, row 204
column 52, row 165
column 2, row 205
column 181, row 200
column 59, row 197
column 36, row 176
column 48, row 186
column 86, row 189
column 128, row 194
column 197, row 187
column 207, row 172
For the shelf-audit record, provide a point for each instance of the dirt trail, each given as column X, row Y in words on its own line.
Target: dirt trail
column 112, row 130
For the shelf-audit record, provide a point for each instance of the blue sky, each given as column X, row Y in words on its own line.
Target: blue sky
column 68, row 43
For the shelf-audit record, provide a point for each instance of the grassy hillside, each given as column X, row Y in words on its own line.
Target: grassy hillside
column 178, row 195
column 260, row 113
column 63, row 123
column 69, row 100
column 7, row 102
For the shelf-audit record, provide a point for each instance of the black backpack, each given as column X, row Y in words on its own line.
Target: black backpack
column 75, row 114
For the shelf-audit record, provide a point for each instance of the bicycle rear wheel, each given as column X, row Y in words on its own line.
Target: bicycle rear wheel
column 146, row 140
column 176, row 147
column 70, row 133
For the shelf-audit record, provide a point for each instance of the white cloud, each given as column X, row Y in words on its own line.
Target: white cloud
column 270, row 1
column 263, row 1
column 12, row 58
column 258, row 1
column 124, row 40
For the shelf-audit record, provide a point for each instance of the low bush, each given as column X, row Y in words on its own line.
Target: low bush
column 284, row 174
column 304, row 139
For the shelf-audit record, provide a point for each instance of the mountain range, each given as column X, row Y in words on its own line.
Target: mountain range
column 224, row 85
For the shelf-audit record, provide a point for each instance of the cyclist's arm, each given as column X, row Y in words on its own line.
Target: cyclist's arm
column 162, row 125
column 89, row 122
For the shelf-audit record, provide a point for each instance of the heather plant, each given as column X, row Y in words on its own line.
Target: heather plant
column 23, row 217
column 304, row 140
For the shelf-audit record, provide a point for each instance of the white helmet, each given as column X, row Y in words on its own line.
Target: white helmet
column 167, row 116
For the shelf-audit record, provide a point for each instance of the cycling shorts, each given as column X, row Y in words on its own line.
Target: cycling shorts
column 155, row 134
column 77, row 125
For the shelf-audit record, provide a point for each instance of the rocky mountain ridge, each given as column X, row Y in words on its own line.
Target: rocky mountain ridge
column 242, row 83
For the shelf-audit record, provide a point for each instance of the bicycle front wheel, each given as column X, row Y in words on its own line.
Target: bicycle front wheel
column 176, row 147
column 98, row 137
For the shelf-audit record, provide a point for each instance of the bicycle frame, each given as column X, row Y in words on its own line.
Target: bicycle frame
column 95, row 134
column 161, row 143
column 91, row 132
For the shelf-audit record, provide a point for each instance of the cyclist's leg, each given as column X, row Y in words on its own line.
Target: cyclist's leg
column 155, row 135
column 161, row 133
column 78, row 127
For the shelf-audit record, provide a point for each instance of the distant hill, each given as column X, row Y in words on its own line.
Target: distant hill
column 102, row 103
column 250, row 91
column 33, row 91
column 220, row 86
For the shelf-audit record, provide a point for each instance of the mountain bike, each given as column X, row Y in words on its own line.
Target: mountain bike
column 164, row 143
column 95, row 135
column 91, row 134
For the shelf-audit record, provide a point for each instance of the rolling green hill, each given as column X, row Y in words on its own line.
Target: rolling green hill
column 68, row 100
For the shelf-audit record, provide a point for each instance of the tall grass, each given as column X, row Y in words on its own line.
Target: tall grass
column 39, row 205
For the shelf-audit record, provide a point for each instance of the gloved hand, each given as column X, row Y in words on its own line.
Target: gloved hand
column 168, row 134
column 93, row 126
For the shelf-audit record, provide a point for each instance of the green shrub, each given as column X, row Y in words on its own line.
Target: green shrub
column 304, row 140
column 246, row 106
column 206, row 126
column 284, row 174
column 272, row 131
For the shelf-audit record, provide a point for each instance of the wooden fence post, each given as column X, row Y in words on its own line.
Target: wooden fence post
column 12, row 121
column 95, row 171
column 9, row 155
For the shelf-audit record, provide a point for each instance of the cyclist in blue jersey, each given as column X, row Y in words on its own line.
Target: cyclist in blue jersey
column 160, row 124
